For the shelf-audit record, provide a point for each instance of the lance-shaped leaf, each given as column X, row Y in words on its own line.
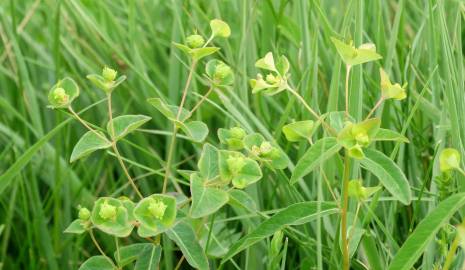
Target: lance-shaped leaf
column 155, row 214
column 89, row 143
column 301, row 130
column 315, row 155
column 149, row 258
column 123, row 125
column 111, row 216
column 389, row 135
column 208, row 162
column 197, row 131
column 425, row 232
column 296, row 214
column 241, row 170
column 97, row 263
column 184, row 236
column 205, row 199
column 169, row 111
column 388, row 173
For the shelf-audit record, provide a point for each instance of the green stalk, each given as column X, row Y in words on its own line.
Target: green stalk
column 175, row 128
column 344, row 203
column 348, row 68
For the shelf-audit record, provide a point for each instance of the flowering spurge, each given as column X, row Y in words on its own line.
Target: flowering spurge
column 219, row 73
column 155, row 214
column 112, row 217
column 354, row 137
column 107, row 81
column 63, row 93
column 238, row 169
column 264, row 151
column 196, row 46
column 449, row 160
column 232, row 137
column 359, row 192
column 276, row 80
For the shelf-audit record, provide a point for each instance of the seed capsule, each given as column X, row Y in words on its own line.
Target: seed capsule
column 157, row 209
column 195, row 41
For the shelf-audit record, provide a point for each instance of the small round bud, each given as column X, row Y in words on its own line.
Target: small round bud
column 107, row 211
column 266, row 148
column 84, row 214
column 362, row 138
column 157, row 209
column 222, row 71
column 109, row 74
column 195, row 41
column 237, row 133
column 235, row 164
column 59, row 96
column 271, row 79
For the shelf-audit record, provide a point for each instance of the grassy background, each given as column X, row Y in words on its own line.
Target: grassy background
column 43, row 41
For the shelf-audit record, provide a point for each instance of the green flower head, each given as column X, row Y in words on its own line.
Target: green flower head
column 157, row 208
column 237, row 133
column 195, row 41
column 449, row 159
column 107, row 211
column 63, row 93
column 109, row 74
column 276, row 80
column 235, row 163
column 84, row 214
column 389, row 90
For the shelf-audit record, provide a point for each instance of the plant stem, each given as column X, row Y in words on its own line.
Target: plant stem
column 316, row 115
column 204, row 97
column 344, row 203
column 175, row 128
column 115, row 149
column 451, row 253
column 100, row 248
column 84, row 123
column 380, row 101
column 348, row 67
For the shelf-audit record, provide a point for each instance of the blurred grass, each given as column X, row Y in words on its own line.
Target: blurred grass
column 42, row 41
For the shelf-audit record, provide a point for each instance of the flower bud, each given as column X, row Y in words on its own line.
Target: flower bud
column 235, row 163
column 237, row 133
column 107, row 211
column 109, row 74
column 84, row 214
column 59, row 96
column 221, row 71
column 157, row 209
column 362, row 138
column 266, row 148
column 449, row 159
column 195, row 41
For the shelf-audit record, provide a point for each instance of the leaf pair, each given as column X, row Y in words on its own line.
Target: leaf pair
column 301, row 130
column 118, row 128
column 354, row 56
column 196, row 131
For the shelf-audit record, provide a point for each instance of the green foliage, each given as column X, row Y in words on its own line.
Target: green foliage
column 90, row 142
column 354, row 56
column 63, row 93
column 155, row 214
column 97, row 263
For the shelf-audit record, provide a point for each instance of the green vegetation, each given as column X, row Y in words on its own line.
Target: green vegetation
column 227, row 134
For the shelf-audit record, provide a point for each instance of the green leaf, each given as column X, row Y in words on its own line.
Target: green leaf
column 184, row 236
column 297, row 131
column 205, row 200
column 241, row 170
column 182, row 47
column 76, row 227
column 267, row 62
column 315, row 155
column 169, row 111
column 388, row 173
column 425, row 232
column 240, row 198
column 89, row 143
column 296, row 214
column 197, row 131
column 208, row 162
column 149, row 258
column 156, row 214
column 199, row 53
column 122, row 125
column 355, row 56
column 389, row 135
column 220, row 28
column 130, row 253
column 97, row 263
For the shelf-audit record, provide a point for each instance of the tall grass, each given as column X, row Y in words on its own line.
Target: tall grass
column 45, row 40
